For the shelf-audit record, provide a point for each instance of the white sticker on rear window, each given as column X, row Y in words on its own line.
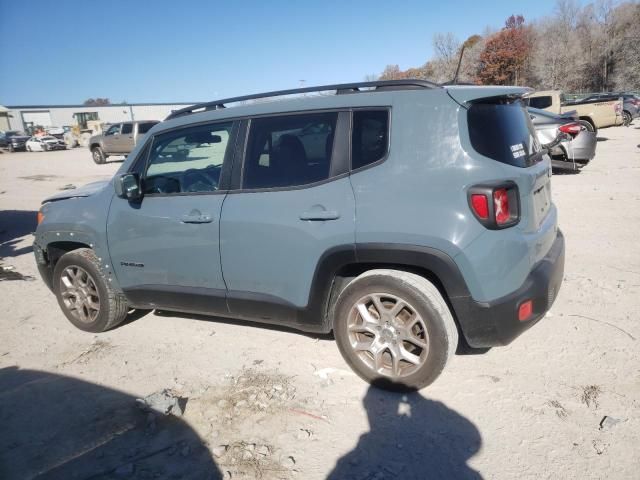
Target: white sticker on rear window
column 517, row 150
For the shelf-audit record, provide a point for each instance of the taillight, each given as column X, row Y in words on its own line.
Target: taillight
column 40, row 217
column 496, row 206
column 501, row 206
column 571, row 128
column 480, row 205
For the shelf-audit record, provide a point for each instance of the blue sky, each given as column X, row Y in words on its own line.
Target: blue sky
column 66, row 52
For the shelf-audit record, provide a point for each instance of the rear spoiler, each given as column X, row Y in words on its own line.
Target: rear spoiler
column 466, row 95
column 573, row 115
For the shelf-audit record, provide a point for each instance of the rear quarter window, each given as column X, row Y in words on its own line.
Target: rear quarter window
column 503, row 132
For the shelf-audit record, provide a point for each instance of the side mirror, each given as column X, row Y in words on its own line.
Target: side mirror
column 128, row 186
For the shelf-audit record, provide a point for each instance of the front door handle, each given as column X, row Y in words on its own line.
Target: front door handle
column 320, row 215
column 196, row 217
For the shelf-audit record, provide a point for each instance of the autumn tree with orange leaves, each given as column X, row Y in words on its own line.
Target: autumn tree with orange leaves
column 506, row 53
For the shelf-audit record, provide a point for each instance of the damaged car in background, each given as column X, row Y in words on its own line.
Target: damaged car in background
column 570, row 142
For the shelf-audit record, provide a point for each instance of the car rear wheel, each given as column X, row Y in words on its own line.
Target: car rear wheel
column 28, row 148
column 98, row 155
column 588, row 125
column 45, row 147
column 626, row 118
column 84, row 294
column 394, row 329
column 11, row 149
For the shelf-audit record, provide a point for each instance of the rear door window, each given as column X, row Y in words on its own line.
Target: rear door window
column 370, row 137
column 145, row 127
column 127, row 128
column 503, row 131
column 540, row 102
column 289, row 150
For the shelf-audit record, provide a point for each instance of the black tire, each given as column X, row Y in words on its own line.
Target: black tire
column 11, row 149
column 98, row 155
column 588, row 125
column 112, row 306
column 626, row 118
column 420, row 296
column 28, row 149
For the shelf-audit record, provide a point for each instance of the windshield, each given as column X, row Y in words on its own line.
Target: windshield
column 48, row 138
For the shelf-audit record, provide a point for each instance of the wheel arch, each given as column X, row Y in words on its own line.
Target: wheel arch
column 47, row 256
column 338, row 267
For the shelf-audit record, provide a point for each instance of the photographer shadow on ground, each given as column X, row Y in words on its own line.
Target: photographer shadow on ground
column 15, row 224
column 57, row 427
column 410, row 437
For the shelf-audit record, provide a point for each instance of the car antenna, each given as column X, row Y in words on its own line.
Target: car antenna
column 455, row 77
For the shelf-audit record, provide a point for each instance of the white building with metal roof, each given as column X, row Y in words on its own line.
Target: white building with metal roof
column 25, row 117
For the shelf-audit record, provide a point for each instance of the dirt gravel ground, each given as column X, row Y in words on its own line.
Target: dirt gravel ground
column 270, row 403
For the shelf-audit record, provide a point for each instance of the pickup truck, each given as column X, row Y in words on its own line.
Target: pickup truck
column 119, row 139
column 597, row 112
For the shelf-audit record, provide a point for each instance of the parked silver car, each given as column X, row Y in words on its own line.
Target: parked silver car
column 567, row 154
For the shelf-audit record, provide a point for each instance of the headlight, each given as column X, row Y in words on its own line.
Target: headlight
column 40, row 216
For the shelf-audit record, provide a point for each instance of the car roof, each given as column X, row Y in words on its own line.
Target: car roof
column 354, row 95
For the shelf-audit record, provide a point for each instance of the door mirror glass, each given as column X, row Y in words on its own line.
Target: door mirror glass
column 128, row 186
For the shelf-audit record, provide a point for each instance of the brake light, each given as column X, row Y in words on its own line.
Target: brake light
column 571, row 128
column 480, row 205
column 497, row 206
column 40, row 217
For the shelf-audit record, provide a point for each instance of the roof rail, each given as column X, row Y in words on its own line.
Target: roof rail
column 342, row 88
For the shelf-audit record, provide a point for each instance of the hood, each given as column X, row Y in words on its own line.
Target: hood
column 51, row 140
column 464, row 94
column 84, row 191
column 18, row 138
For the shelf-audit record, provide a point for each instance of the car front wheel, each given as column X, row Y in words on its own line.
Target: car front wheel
column 84, row 294
column 394, row 329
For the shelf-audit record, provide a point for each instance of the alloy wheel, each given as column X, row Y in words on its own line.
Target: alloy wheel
column 388, row 335
column 80, row 294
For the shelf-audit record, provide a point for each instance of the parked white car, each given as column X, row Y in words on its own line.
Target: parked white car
column 44, row 144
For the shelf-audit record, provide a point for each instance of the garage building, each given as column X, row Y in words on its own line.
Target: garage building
column 25, row 117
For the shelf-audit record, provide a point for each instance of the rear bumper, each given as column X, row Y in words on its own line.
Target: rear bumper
column 495, row 323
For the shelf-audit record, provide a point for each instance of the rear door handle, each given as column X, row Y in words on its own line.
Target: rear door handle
column 196, row 218
column 320, row 215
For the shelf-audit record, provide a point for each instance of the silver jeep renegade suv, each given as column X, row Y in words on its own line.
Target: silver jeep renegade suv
column 403, row 216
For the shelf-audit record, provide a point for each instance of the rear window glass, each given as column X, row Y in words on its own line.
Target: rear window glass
column 540, row 102
column 503, row 132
